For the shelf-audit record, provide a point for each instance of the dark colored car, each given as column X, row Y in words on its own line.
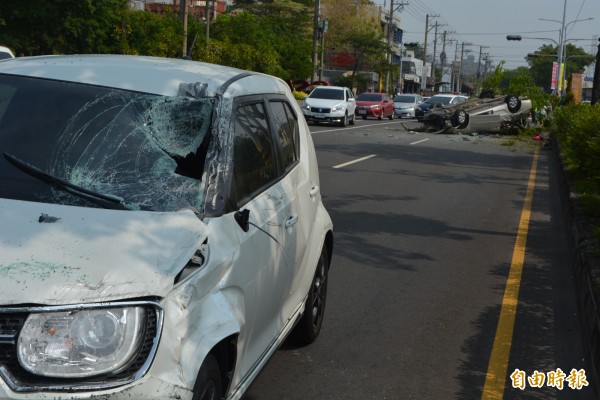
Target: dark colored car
column 378, row 105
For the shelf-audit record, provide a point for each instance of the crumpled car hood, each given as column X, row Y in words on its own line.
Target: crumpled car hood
column 56, row 254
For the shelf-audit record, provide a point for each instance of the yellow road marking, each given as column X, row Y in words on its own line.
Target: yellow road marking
column 495, row 379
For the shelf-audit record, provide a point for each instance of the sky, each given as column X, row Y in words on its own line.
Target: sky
column 485, row 23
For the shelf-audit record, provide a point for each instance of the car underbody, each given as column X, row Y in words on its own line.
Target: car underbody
column 489, row 114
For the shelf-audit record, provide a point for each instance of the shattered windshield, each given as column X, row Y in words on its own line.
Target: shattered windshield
column 146, row 149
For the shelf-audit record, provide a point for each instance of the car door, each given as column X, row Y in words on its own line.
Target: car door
column 300, row 210
column 350, row 101
column 265, row 263
column 388, row 105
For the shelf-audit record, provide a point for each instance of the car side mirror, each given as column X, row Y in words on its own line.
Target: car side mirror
column 242, row 217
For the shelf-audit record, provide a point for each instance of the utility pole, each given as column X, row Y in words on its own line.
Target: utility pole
column 479, row 69
column 323, row 27
column 315, row 39
column 207, row 16
column 424, row 77
column 455, row 67
column 560, row 49
column 596, row 85
column 434, row 51
column 183, row 14
column 389, row 41
column 462, row 53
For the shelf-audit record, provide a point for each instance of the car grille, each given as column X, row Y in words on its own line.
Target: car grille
column 320, row 110
column 10, row 327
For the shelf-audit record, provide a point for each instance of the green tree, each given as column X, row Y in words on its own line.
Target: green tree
column 494, row 79
column 272, row 37
column 354, row 28
column 150, row 34
column 60, row 26
column 541, row 65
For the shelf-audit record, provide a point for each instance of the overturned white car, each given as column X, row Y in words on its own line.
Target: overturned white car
column 161, row 228
column 486, row 114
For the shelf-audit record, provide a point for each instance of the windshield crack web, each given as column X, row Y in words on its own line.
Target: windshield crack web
column 129, row 144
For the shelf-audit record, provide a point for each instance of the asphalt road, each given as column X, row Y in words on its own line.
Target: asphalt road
column 428, row 228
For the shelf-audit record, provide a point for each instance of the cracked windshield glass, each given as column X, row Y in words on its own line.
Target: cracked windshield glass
column 145, row 149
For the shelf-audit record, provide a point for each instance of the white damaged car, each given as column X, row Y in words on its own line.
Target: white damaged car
column 161, row 228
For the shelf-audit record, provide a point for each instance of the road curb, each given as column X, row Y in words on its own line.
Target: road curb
column 586, row 264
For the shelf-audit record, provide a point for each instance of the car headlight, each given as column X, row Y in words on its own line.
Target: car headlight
column 305, row 107
column 337, row 107
column 81, row 343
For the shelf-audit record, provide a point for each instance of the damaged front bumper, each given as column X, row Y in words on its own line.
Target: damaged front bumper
column 148, row 388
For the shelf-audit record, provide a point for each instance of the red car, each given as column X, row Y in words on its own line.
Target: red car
column 374, row 105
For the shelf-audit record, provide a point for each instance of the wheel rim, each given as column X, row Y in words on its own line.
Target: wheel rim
column 210, row 392
column 512, row 102
column 461, row 117
column 319, row 291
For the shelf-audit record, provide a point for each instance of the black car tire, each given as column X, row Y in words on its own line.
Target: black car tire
column 380, row 116
column 459, row 119
column 309, row 325
column 344, row 121
column 351, row 122
column 513, row 103
column 208, row 384
column 391, row 116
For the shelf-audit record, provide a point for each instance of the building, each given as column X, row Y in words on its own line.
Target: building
column 196, row 8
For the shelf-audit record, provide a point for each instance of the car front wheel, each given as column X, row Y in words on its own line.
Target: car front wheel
column 459, row 119
column 344, row 121
column 309, row 326
column 513, row 103
column 208, row 385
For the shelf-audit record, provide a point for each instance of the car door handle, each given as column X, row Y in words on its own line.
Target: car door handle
column 314, row 191
column 291, row 221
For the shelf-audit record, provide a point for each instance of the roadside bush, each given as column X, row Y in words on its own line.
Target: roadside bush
column 299, row 95
column 577, row 128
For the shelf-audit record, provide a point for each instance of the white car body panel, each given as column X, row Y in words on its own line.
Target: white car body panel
column 89, row 254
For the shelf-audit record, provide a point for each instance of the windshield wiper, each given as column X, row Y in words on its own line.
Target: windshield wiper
column 100, row 199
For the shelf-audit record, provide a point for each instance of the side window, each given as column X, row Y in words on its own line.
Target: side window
column 254, row 164
column 286, row 127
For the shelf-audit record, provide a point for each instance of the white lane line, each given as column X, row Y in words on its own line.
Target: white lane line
column 419, row 141
column 355, row 161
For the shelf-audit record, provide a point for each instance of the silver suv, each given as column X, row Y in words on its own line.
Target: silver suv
column 330, row 104
column 161, row 228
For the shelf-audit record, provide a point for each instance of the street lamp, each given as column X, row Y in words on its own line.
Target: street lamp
column 519, row 37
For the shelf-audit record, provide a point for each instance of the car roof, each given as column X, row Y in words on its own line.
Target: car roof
column 155, row 75
column 331, row 87
column 406, row 95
